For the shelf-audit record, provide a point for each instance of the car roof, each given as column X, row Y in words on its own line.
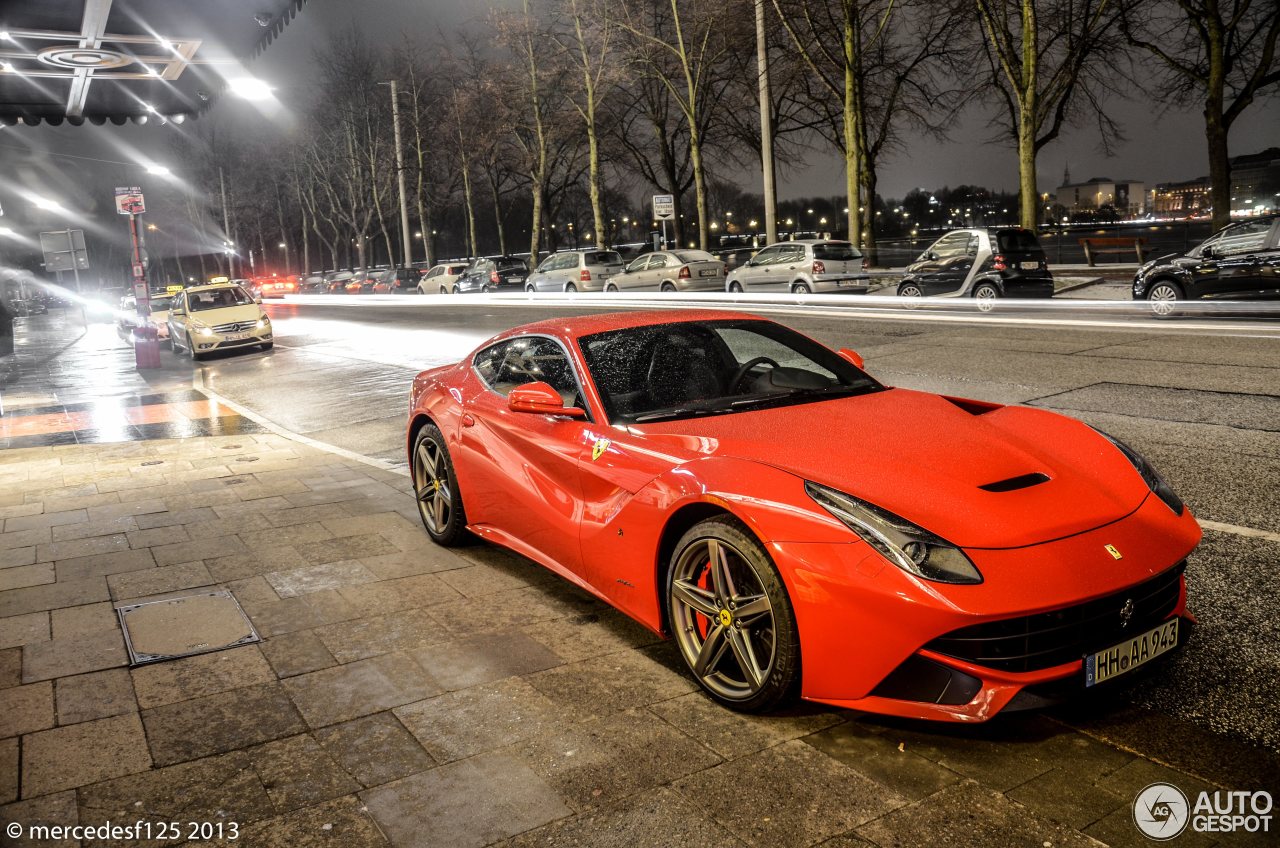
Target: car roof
column 815, row 241
column 587, row 325
column 211, row 286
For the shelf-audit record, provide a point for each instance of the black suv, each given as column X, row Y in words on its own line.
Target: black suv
column 1239, row 262
column 985, row 264
column 495, row 274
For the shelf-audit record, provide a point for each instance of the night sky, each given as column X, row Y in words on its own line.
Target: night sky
column 1162, row 144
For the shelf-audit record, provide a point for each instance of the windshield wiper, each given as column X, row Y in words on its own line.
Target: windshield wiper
column 679, row 412
column 801, row 394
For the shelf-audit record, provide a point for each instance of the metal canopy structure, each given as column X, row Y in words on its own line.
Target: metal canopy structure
column 120, row 60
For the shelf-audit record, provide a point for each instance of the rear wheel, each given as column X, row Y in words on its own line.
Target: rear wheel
column 799, row 288
column 436, row 490
column 731, row 617
column 570, row 287
column 986, row 294
column 485, row 289
column 1164, row 296
column 668, row 287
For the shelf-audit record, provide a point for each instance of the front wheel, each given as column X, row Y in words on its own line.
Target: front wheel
column 191, row 349
column 529, row 289
column 1164, row 296
column 735, row 287
column 610, row 287
column 436, row 489
column 268, row 345
column 986, row 294
column 731, row 618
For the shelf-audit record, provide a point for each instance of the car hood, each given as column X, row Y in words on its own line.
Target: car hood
column 227, row 314
column 927, row 459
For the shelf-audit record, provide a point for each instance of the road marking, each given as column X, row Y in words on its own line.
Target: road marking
column 197, row 383
column 1237, row 530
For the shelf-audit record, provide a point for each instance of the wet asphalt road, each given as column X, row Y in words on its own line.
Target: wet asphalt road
column 1203, row 405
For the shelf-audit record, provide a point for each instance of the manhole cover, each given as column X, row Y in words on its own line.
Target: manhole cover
column 181, row 627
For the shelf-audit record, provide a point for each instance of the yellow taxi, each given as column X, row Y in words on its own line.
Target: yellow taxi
column 204, row 319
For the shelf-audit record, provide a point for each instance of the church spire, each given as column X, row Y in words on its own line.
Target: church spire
column 1066, row 173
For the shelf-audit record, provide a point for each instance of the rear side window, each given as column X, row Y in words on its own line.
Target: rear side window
column 694, row 256
column 1017, row 241
column 602, row 257
column 835, row 251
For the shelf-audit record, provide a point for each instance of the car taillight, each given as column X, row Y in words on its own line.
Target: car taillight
column 684, row 273
column 819, row 267
column 862, row 263
column 998, row 262
column 585, row 276
column 494, row 278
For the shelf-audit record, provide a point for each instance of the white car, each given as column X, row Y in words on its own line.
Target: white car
column 128, row 318
column 670, row 271
column 442, row 278
column 203, row 319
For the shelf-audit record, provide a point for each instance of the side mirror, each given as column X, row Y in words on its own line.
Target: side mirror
column 257, row 298
column 177, row 310
column 1207, row 252
column 541, row 398
column 852, row 356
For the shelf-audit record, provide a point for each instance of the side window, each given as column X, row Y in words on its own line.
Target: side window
column 548, row 264
column 972, row 248
column 767, row 256
column 1243, row 238
column 566, row 261
column 639, row 264
column 658, row 260
column 950, row 246
column 435, row 272
column 506, row 365
column 791, row 253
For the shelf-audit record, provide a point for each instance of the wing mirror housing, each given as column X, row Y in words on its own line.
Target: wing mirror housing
column 1207, row 252
column 852, row 356
column 541, row 398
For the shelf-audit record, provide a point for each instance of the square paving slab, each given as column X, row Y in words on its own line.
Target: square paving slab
column 180, row 627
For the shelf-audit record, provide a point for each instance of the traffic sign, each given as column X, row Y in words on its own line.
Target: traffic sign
column 664, row 207
column 129, row 200
column 64, row 250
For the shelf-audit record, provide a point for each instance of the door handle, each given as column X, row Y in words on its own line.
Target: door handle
column 468, row 420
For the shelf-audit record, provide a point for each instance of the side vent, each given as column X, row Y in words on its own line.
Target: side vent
column 973, row 407
column 1025, row 481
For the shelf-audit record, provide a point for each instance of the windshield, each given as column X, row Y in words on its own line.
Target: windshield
column 682, row 370
column 510, row 264
column 160, row 304
column 1017, row 241
column 218, row 298
column 836, row 251
column 602, row 257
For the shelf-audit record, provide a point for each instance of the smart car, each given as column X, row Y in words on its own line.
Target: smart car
column 984, row 264
column 708, row 474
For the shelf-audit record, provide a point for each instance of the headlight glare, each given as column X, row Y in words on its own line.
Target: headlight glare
column 1149, row 475
column 911, row 548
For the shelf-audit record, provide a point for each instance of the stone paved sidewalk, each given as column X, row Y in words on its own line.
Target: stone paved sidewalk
column 412, row 696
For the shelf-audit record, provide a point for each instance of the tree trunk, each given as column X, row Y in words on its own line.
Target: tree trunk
column 1029, row 196
column 470, row 210
column 497, row 214
column 1215, row 127
column 852, row 142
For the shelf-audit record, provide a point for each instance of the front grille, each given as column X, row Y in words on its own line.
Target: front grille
column 1046, row 639
column 235, row 327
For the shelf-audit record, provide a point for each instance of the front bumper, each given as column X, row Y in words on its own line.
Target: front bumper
column 208, row 344
column 866, row 627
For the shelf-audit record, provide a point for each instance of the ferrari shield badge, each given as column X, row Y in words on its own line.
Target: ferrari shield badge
column 1115, row 553
column 599, row 448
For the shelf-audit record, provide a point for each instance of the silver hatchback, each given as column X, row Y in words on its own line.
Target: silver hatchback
column 575, row 270
column 671, row 271
column 802, row 266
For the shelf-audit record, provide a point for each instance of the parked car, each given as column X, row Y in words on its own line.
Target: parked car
column 394, row 280
column 1239, row 262
column 442, row 278
column 575, row 270
column 985, row 264
column 204, row 319
column 311, row 283
column 494, row 274
column 670, row 271
column 971, row 559
column 801, row 267
column 274, row 286
column 158, row 304
column 335, row 282
column 736, row 257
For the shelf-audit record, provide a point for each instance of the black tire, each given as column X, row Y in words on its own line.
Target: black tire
column 771, row 626
column 485, row 289
column 986, row 294
column 735, row 287
column 800, row 288
column 610, row 288
column 451, row 531
column 570, row 288
column 668, row 288
column 1163, row 297
column 909, row 290
column 191, row 349
column 268, row 345
column 529, row 289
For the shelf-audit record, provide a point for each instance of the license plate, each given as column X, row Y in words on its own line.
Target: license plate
column 515, row 279
column 235, row 337
column 708, row 272
column 846, row 282
column 1030, row 266
column 1128, row 655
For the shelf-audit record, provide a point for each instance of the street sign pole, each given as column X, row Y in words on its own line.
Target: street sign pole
column 146, row 344
column 664, row 209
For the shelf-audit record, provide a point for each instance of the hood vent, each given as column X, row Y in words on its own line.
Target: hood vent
column 973, row 407
column 1013, row 484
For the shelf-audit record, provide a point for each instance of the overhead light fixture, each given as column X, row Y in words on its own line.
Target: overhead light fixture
column 250, row 88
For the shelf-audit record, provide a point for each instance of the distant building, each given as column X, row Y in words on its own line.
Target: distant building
column 1127, row 197
column 1255, row 189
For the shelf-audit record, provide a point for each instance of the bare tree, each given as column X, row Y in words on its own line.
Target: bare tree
column 1219, row 53
column 1051, row 61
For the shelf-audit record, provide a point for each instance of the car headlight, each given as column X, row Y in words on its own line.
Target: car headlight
column 263, row 321
column 1149, row 475
column 911, row 548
